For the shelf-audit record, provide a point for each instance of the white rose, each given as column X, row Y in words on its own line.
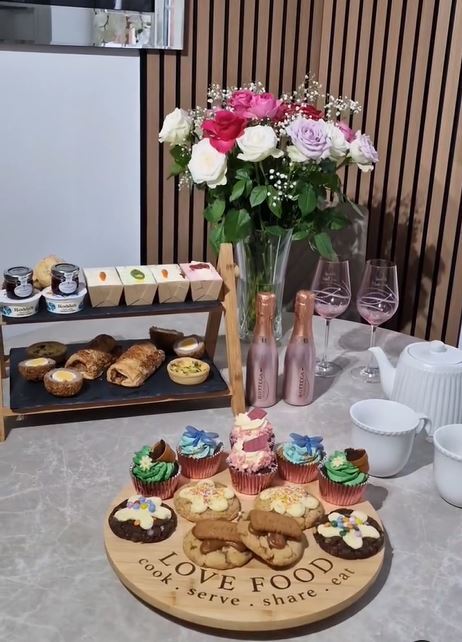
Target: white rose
column 339, row 144
column 296, row 155
column 257, row 143
column 176, row 127
column 363, row 152
column 207, row 165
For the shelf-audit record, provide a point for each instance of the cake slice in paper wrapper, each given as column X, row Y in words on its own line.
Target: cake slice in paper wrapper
column 205, row 281
column 172, row 287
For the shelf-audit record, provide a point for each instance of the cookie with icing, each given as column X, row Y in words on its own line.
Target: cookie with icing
column 143, row 519
column 206, row 499
column 350, row 534
column 276, row 539
column 293, row 501
column 216, row 544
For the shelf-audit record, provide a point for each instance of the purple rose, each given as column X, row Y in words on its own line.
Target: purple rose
column 363, row 152
column 310, row 137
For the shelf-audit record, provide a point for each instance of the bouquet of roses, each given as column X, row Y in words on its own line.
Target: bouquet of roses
column 268, row 164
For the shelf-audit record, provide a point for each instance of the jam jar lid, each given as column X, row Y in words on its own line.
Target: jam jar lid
column 64, row 268
column 20, row 271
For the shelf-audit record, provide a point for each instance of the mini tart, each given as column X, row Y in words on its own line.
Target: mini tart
column 215, row 544
column 63, row 382
column 292, row 501
column 48, row 349
column 187, row 371
column 207, row 500
column 143, row 519
column 36, row 369
column 164, row 339
column 277, row 539
column 190, row 346
column 349, row 534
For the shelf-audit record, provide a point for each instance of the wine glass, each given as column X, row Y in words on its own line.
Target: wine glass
column 331, row 285
column 377, row 301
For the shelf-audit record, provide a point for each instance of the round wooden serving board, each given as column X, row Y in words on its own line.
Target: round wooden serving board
column 254, row 597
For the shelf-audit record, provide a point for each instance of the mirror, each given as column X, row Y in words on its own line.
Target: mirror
column 130, row 24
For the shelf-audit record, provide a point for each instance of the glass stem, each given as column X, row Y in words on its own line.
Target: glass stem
column 371, row 364
column 326, row 343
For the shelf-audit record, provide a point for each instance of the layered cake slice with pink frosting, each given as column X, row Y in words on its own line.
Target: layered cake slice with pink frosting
column 205, row 281
column 248, row 425
column 252, row 465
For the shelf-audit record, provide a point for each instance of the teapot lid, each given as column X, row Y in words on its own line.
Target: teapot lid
column 436, row 353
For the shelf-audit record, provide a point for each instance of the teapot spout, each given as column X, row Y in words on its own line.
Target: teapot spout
column 387, row 371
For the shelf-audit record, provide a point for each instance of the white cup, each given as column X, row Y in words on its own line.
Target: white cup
column 386, row 430
column 447, row 463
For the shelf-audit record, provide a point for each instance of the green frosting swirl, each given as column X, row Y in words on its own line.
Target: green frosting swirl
column 338, row 469
column 147, row 470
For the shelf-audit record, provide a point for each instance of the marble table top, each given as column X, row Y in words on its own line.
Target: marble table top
column 57, row 481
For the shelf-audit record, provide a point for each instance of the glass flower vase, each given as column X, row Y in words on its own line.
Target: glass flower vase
column 262, row 261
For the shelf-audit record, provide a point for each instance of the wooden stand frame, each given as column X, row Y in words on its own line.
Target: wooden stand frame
column 228, row 308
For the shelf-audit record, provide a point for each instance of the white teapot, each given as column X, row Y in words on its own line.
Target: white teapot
column 428, row 378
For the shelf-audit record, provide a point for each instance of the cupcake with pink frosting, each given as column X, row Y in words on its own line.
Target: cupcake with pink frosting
column 250, row 425
column 252, row 465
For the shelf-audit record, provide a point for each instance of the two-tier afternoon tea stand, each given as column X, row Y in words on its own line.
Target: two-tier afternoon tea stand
column 28, row 398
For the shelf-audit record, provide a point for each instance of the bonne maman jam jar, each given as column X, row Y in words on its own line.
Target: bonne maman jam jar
column 64, row 279
column 18, row 282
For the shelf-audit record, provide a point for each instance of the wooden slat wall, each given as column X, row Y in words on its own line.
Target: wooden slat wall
column 402, row 60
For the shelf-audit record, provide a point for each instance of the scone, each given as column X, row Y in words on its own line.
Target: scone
column 206, row 499
column 143, row 519
column 293, row 501
column 216, row 544
column 349, row 534
column 277, row 539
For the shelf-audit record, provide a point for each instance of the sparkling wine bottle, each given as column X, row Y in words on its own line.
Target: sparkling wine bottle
column 262, row 359
column 300, row 360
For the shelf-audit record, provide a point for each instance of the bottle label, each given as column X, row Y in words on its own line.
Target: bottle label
column 68, row 286
column 262, row 386
column 302, row 384
column 24, row 288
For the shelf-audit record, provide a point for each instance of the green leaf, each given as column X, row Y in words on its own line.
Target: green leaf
column 215, row 210
column 180, row 154
column 338, row 222
column 258, row 195
column 301, row 235
column 176, row 169
column 274, row 201
column 307, row 199
column 243, row 173
column 324, row 245
column 238, row 190
column 216, row 237
column 275, row 230
column 237, row 225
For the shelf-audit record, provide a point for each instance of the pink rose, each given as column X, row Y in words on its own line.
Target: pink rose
column 240, row 100
column 346, row 131
column 223, row 130
column 263, row 106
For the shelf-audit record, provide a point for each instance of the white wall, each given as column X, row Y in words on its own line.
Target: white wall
column 69, row 157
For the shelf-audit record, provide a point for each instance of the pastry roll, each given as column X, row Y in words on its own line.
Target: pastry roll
column 135, row 365
column 93, row 360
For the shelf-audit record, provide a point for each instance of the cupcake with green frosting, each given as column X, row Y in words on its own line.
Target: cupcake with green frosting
column 199, row 453
column 343, row 476
column 155, row 471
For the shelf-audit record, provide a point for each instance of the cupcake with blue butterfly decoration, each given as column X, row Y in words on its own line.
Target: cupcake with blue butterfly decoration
column 299, row 458
column 199, row 453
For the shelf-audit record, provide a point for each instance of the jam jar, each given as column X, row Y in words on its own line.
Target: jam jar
column 65, row 279
column 19, row 282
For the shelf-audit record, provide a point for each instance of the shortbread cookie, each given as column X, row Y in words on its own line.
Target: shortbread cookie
column 277, row 539
column 143, row 519
column 216, row 544
column 349, row 534
column 207, row 499
column 293, row 501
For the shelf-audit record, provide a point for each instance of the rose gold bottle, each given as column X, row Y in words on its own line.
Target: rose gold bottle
column 262, row 359
column 300, row 357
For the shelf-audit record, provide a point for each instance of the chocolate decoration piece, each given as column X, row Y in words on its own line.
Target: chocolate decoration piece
column 276, row 540
column 161, row 451
column 358, row 457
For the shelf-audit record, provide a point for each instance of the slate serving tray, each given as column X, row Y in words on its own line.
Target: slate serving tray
column 27, row 396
